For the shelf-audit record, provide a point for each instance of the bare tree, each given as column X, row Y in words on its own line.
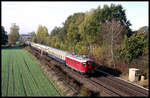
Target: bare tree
column 113, row 32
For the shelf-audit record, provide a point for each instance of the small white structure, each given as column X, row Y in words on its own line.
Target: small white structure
column 133, row 74
column 142, row 78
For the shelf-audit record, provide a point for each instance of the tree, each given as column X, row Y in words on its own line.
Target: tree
column 14, row 33
column 72, row 36
column 133, row 47
column 4, row 36
column 81, row 48
column 113, row 33
column 143, row 29
column 88, row 30
column 55, row 31
column 33, row 35
column 42, row 34
column 83, row 30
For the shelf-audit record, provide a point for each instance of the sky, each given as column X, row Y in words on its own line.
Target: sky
column 29, row 15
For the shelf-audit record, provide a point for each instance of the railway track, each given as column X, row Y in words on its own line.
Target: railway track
column 90, row 84
column 125, row 87
column 105, row 85
column 121, row 87
column 54, row 73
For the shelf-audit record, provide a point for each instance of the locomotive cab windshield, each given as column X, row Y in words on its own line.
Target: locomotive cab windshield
column 84, row 64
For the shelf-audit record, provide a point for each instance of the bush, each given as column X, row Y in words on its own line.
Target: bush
column 133, row 47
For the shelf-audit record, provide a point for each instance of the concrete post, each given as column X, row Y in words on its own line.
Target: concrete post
column 41, row 52
column 142, row 78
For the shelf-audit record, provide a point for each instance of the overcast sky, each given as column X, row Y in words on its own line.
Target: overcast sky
column 28, row 15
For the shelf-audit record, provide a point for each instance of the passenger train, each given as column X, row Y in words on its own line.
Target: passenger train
column 81, row 64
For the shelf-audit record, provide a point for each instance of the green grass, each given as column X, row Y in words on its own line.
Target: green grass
column 22, row 75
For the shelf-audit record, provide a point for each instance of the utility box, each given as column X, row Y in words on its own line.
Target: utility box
column 133, row 74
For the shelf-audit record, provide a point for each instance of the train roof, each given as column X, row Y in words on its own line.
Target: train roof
column 48, row 47
column 79, row 58
column 75, row 57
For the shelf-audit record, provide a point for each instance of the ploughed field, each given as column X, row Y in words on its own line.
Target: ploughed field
column 21, row 75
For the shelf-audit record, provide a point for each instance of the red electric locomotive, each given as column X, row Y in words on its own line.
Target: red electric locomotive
column 83, row 65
